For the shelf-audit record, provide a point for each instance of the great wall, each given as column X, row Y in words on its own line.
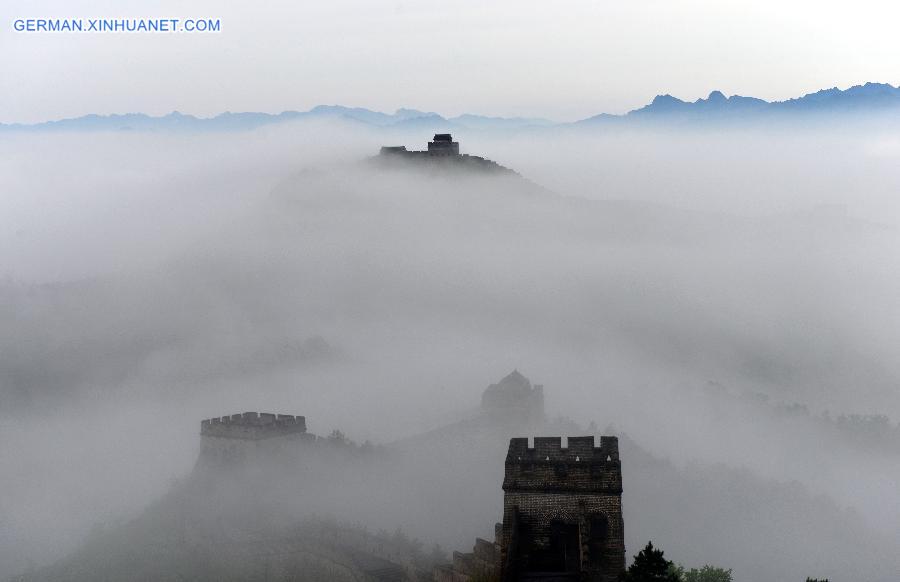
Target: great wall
column 562, row 509
column 442, row 153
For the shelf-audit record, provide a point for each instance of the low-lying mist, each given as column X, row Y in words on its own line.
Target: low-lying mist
column 693, row 291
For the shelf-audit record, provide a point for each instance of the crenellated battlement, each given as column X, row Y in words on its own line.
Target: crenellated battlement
column 551, row 449
column 253, row 426
column 549, row 466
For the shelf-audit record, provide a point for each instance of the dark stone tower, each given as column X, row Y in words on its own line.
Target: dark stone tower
column 562, row 511
column 443, row 145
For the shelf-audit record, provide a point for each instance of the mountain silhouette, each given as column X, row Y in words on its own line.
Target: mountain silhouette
column 867, row 99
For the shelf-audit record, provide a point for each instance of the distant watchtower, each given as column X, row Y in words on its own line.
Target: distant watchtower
column 514, row 400
column 562, row 511
column 443, row 145
column 232, row 438
column 253, row 426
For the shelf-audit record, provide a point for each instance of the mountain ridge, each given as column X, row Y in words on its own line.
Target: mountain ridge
column 868, row 98
column 871, row 97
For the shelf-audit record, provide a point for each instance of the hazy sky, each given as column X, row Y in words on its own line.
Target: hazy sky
column 563, row 60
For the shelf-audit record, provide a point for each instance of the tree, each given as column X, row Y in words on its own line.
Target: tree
column 338, row 437
column 705, row 574
column 650, row 566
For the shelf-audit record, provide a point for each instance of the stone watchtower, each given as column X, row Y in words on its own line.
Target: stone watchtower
column 235, row 437
column 514, row 400
column 443, row 145
column 562, row 511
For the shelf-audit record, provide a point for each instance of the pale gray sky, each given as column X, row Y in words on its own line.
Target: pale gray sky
column 564, row 60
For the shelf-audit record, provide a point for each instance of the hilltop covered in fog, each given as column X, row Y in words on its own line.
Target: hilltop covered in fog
column 204, row 275
column 322, row 508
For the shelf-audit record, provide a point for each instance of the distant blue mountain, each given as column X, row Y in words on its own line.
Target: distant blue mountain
column 860, row 99
column 715, row 104
column 412, row 114
column 174, row 121
column 431, row 122
column 871, row 98
column 868, row 97
column 482, row 122
column 354, row 113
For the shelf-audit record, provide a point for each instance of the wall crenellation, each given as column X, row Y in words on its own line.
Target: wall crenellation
column 253, row 425
column 548, row 466
column 551, row 449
